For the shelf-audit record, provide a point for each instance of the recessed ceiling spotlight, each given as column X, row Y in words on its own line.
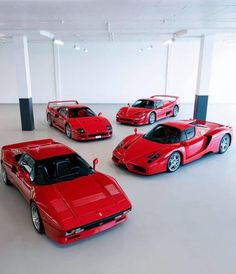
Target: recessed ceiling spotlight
column 62, row 22
column 150, row 47
column 76, row 47
column 169, row 41
column 86, row 50
column 140, row 50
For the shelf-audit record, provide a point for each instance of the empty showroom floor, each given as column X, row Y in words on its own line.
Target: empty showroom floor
column 181, row 223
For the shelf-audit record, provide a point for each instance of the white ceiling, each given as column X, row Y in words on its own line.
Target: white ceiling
column 118, row 20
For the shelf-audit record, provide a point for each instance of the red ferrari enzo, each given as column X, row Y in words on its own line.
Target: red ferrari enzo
column 77, row 121
column 68, row 199
column 171, row 144
column 148, row 111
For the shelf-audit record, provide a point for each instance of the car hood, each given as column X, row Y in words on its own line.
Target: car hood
column 83, row 200
column 132, row 111
column 90, row 124
column 140, row 148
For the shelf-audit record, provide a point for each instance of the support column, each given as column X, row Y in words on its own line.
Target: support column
column 57, row 71
column 24, row 82
column 204, row 77
column 167, row 67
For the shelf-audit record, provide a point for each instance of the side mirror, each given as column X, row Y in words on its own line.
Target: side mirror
column 128, row 104
column 14, row 169
column 135, row 131
column 99, row 114
column 95, row 162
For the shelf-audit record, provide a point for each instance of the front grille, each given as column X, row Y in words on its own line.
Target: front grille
column 126, row 119
column 139, row 168
column 98, row 134
column 102, row 221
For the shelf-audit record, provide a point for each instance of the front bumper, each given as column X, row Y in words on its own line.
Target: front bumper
column 91, row 136
column 89, row 229
column 132, row 121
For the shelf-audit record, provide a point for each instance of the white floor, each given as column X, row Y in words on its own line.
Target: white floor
column 181, row 223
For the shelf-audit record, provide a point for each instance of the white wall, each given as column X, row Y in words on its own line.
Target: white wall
column 118, row 72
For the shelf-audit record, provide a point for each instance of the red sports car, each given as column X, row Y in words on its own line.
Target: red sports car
column 148, row 111
column 171, row 144
column 68, row 199
column 77, row 121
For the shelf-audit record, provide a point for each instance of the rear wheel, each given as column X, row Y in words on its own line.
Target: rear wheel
column 4, row 176
column 224, row 143
column 174, row 162
column 175, row 111
column 68, row 131
column 36, row 219
column 49, row 119
column 152, row 118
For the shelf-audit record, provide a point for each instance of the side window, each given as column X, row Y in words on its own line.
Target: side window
column 158, row 103
column 190, row 133
column 28, row 164
column 63, row 111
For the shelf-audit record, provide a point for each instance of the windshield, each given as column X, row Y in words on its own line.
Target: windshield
column 62, row 168
column 164, row 134
column 80, row 112
column 143, row 104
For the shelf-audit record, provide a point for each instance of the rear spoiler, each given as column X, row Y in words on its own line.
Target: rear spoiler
column 57, row 103
column 166, row 97
column 30, row 144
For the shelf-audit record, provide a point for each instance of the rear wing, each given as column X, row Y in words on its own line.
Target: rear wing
column 29, row 144
column 59, row 103
column 166, row 97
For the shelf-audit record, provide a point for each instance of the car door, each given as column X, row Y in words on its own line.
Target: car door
column 160, row 110
column 61, row 117
column 193, row 142
column 25, row 175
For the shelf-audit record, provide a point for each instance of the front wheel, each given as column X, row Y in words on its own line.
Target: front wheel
column 224, row 144
column 36, row 219
column 49, row 119
column 174, row 162
column 175, row 111
column 4, row 176
column 68, row 131
column 152, row 118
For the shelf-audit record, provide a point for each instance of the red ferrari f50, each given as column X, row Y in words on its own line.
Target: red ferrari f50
column 68, row 199
column 171, row 144
column 77, row 121
column 148, row 111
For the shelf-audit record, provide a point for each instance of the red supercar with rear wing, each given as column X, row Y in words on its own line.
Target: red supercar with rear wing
column 69, row 200
column 171, row 144
column 77, row 121
column 147, row 111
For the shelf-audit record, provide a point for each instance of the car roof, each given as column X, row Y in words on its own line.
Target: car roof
column 41, row 152
column 72, row 106
column 182, row 125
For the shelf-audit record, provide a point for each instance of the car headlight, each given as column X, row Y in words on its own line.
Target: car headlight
column 109, row 127
column 81, row 130
column 152, row 157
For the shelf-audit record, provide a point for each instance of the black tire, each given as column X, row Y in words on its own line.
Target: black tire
column 174, row 161
column 224, row 143
column 36, row 218
column 49, row 119
column 152, row 118
column 4, row 176
column 68, row 130
column 175, row 111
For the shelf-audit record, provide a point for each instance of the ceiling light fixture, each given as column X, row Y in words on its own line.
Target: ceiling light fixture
column 86, row 50
column 169, row 41
column 76, row 47
column 47, row 34
column 58, row 42
column 140, row 50
column 150, row 47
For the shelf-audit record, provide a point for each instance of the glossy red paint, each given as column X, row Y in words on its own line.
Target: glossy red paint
column 162, row 106
column 90, row 204
column 78, row 121
column 134, row 151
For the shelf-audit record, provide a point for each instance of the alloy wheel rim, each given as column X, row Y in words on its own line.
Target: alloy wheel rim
column 152, row 118
column 224, row 143
column 4, row 176
column 49, row 120
column 174, row 162
column 35, row 217
column 175, row 111
column 68, row 131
